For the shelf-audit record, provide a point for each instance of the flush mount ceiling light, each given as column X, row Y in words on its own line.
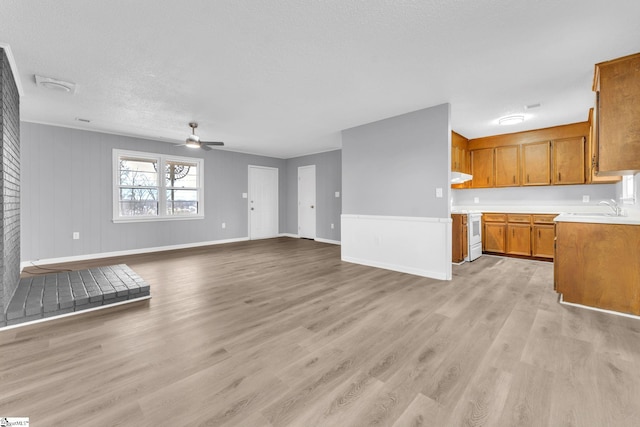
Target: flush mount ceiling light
column 511, row 120
column 54, row 84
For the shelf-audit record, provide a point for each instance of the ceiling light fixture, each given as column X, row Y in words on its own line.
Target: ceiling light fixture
column 511, row 120
column 54, row 84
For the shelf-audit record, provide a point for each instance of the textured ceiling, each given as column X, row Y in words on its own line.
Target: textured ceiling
column 284, row 77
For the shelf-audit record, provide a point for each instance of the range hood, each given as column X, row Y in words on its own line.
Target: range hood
column 459, row 177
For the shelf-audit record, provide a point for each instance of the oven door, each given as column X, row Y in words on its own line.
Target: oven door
column 474, row 229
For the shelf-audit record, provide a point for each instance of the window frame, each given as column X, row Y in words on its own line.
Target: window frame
column 162, row 187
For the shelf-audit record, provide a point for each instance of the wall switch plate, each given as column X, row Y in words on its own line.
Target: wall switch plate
column 476, row 200
column 438, row 192
column 337, row 194
column 224, row 225
column 585, row 199
column 244, row 195
column 332, row 227
column 76, row 235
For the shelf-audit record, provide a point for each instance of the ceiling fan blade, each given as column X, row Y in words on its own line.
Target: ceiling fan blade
column 216, row 143
column 205, row 147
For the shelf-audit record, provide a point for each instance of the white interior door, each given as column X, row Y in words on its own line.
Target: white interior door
column 263, row 202
column 307, row 202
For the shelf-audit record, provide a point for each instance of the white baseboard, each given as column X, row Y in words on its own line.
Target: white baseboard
column 333, row 242
column 317, row 239
column 293, row 236
column 127, row 252
column 601, row 310
column 400, row 268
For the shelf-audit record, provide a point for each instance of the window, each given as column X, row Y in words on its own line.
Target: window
column 628, row 192
column 152, row 187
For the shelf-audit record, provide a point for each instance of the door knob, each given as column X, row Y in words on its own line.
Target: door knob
column 251, row 208
column 311, row 206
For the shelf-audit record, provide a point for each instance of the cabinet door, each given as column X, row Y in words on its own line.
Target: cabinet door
column 494, row 237
column 535, row 163
column 507, row 166
column 591, row 157
column 456, row 238
column 618, row 109
column 482, row 168
column 465, row 241
column 543, row 237
column 568, row 161
column 519, row 239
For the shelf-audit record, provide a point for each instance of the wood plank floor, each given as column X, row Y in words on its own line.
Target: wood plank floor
column 280, row 332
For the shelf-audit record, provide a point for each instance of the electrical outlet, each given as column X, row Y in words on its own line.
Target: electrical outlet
column 244, row 195
column 332, row 227
column 337, row 194
column 76, row 235
column 585, row 199
column 476, row 200
column 224, row 225
column 438, row 192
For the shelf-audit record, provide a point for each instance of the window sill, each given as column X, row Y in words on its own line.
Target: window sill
column 157, row 218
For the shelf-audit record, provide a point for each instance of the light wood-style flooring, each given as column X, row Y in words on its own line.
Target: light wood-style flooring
column 280, row 332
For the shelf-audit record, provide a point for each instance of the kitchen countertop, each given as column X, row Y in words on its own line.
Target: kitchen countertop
column 598, row 218
column 575, row 213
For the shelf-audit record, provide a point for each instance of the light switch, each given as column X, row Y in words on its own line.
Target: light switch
column 337, row 194
column 438, row 192
column 244, row 195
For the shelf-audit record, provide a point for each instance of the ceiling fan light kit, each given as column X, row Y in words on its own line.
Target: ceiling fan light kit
column 193, row 140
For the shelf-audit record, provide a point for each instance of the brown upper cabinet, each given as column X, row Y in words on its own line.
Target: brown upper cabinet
column 617, row 128
column 568, row 161
column 535, row 163
column 507, row 160
column 590, row 158
column 551, row 156
column 482, row 168
column 459, row 156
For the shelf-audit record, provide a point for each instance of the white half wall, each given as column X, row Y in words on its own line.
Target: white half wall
column 414, row 245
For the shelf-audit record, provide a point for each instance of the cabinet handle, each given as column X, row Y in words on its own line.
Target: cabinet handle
column 527, row 177
column 487, row 180
column 559, row 176
column 514, row 179
column 538, row 234
column 513, row 232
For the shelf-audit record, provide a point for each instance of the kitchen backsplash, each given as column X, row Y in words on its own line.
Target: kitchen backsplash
column 557, row 195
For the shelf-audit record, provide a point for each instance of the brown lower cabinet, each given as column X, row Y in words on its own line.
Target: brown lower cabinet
column 597, row 265
column 527, row 235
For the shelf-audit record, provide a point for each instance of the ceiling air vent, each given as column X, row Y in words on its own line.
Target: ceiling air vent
column 54, row 84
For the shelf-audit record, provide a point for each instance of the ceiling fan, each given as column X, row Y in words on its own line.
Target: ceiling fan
column 193, row 140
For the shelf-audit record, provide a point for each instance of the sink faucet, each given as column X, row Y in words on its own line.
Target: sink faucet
column 613, row 205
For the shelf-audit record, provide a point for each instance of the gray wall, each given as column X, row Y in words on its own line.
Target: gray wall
column 393, row 166
column 328, row 181
column 10, row 184
column 67, row 187
column 553, row 195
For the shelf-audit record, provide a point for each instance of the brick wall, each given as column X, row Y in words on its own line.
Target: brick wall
column 9, row 183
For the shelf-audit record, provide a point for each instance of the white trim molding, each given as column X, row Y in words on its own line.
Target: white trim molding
column 86, row 257
column 414, row 245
